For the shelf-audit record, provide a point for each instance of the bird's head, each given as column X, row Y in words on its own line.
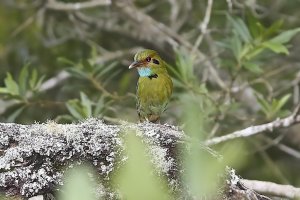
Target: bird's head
column 148, row 63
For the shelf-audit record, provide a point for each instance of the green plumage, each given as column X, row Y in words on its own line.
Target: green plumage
column 154, row 87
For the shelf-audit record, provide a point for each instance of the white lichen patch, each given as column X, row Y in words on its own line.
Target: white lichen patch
column 51, row 127
column 160, row 159
column 234, row 179
column 150, row 129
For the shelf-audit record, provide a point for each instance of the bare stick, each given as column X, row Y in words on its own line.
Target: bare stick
column 253, row 130
column 274, row 189
column 55, row 5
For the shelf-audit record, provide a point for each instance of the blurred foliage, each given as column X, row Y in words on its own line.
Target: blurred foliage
column 248, row 74
column 79, row 184
column 137, row 178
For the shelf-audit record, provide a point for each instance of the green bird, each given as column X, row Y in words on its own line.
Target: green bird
column 154, row 87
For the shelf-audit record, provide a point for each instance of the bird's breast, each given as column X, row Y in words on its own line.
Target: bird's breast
column 154, row 90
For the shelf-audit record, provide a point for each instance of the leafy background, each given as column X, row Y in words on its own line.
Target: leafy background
column 239, row 70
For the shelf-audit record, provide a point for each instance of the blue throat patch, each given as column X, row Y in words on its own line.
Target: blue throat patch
column 144, row 71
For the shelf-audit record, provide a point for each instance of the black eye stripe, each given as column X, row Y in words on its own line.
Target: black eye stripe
column 155, row 61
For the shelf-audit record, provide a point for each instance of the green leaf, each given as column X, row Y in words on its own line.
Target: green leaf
column 173, row 70
column 274, row 108
column 66, row 61
column 23, row 80
column 261, row 29
column 178, row 83
column 247, row 48
column 87, row 104
column 240, row 28
column 136, row 179
column 276, row 47
column 87, row 65
column 281, row 102
column 273, row 28
column 12, row 117
column 79, row 184
column 64, row 118
column 94, row 51
column 253, row 26
column 77, row 73
column 111, row 76
column 3, row 90
column 33, row 79
column 102, row 69
column 223, row 44
column 185, row 66
column 285, row 36
column 236, row 46
column 99, row 107
column 252, row 67
column 11, row 85
column 265, row 106
column 254, row 52
column 74, row 109
column 40, row 81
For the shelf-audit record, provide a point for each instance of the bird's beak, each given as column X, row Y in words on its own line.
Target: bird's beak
column 135, row 64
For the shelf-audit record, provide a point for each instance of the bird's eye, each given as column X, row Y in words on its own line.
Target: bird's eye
column 148, row 59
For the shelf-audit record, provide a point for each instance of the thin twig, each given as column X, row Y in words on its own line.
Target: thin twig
column 253, row 130
column 114, row 55
column 175, row 8
column 286, row 149
column 24, row 25
column 229, row 3
column 54, row 81
column 55, row 5
column 203, row 25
